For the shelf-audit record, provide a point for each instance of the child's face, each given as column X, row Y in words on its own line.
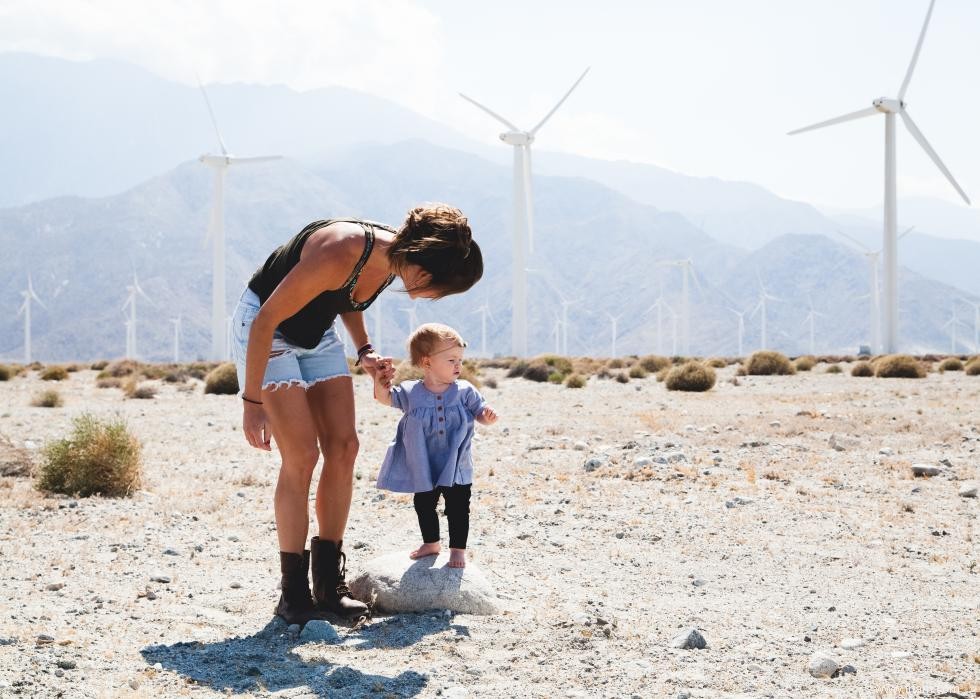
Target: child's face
column 445, row 362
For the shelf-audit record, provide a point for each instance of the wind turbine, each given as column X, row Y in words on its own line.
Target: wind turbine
column 659, row 305
column 615, row 329
column 741, row 328
column 25, row 308
column 811, row 318
column 565, row 303
column 484, row 311
column 216, row 232
column 976, row 323
column 523, row 236
column 134, row 289
column 557, row 335
column 891, row 107
column 687, row 271
column 761, row 306
column 951, row 324
column 176, row 322
column 875, row 294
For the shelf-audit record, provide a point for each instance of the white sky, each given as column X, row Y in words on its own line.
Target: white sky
column 705, row 87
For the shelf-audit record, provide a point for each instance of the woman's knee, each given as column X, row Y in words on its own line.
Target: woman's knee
column 300, row 463
column 341, row 450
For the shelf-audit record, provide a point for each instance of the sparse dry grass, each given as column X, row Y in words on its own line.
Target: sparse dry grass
column 691, row 376
column 54, row 373
column 902, row 366
column 47, row 399
column 222, row 380
column 950, row 364
column 768, row 363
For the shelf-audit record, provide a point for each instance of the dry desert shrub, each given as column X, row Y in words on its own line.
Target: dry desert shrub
column 767, row 363
column 108, row 382
column 692, row 376
column 200, row 370
column 717, row 363
column 99, row 365
column 14, row 461
column 99, row 457
column 654, row 362
column 575, row 381
column 516, row 369
column 805, row 363
column 222, row 380
column 54, row 373
column 5, row 373
column 119, row 368
column 950, row 364
column 637, row 372
column 972, row 367
column 899, row 366
column 73, row 368
column 833, row 369
column 537, row 371
column 562, row 365
column 862, row 369
column 622, row 377
column 615, row 363
column 132, row 388
column 47, row 399
column 662, row 374
column 490, row 382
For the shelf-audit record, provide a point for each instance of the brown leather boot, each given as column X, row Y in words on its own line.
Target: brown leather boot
column 295, row 603
column 330, row 589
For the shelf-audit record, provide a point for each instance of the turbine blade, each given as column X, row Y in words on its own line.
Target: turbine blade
column 490, row 112
column 852, row 239
column 914, row 130
column 255, row 159
column 224, row 151
column 915, row 54
column 907, row 231
column 837, row 120
column 560, row 102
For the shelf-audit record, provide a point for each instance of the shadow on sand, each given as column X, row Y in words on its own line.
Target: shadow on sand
column 268, row 660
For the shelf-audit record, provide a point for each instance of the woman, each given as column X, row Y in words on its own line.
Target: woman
column 296, row 383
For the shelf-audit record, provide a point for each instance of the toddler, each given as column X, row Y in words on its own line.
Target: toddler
column 430, row 455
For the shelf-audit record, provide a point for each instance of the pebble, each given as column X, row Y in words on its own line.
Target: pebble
column 839, row 443
column 293, row 630
column 171, row 552
column 886, row 451
column 754, row 667
column 134, row 683
column 901, row 654
column 592, row 464
column 318, row 630
column 738, row 500
column 45, row 638
column 689, row 638
column 852, row 643
column 925, row 470
column 775, row 423
column 968, row 491
column 157, row 666
column 682, row 694
column 160, row 579
column 821, row 665
column 847, row 670
column 67, row 664
column 580, row 446
column 642, row 461
column 54, row 587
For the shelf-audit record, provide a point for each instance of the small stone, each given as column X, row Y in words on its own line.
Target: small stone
column 160, row 579
column 235, row 585
column 318, row 630
column 852, row 643
column 847, row 670
column 134, row 683
column 839, row 443
column 171, row 552
column 689, row 638
column 968, row 491
column 698, row 582
column 886, row 451
column 54, row 587
column 821, row 665
column 807, row 639
column 775, row 423
column 67, row 664
column 234, row 539
column 642, row 461
column 44, row 638
column 293, row 630
column 754, row 667
column 593, row 464
column 580, row 446
column 59, row 672
column 682, row 694
column 901, row 654
column 925, row 470
column 150, row 594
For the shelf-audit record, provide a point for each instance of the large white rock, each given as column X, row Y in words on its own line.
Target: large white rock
column 399, row 584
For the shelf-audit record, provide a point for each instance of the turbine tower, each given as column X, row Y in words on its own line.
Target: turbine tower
column 25, row 308
column 761, row 306
column 890, row 107
column 484, row 312
column 811, row 319
column 176, row 321
column 523, row 234
column 976, row 322
column 741, row 328
column 687, row 271
column 216, row 231
column 615, row 329
column 133, row 290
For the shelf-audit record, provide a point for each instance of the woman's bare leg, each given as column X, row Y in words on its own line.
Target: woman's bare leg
column 331, row 404
column 295, row 433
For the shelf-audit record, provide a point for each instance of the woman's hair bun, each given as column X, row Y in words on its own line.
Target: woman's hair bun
column 438, row 226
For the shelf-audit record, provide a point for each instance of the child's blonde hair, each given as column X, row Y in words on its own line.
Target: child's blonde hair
column 425, row 339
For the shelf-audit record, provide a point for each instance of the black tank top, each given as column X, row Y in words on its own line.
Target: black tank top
column 306, row 327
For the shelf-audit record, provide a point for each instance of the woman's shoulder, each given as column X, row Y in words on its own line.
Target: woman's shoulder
column 339, row 239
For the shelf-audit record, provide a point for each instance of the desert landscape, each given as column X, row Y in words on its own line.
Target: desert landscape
column 779, row 516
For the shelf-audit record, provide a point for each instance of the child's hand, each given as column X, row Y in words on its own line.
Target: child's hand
column 487, row 416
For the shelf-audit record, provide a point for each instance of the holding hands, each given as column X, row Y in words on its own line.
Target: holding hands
column 487, row 416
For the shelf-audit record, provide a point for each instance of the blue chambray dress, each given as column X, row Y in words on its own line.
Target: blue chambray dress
column 432, row 443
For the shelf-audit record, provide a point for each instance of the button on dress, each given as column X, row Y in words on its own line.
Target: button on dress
column 432, row 443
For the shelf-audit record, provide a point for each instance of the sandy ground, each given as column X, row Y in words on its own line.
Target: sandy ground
column 757, row 531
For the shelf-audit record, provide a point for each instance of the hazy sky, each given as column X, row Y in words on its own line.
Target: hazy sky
column 705, row 87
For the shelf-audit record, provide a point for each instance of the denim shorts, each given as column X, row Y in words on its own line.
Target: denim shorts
column 288, row 365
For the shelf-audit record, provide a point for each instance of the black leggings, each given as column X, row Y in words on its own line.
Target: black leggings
column 457, row 512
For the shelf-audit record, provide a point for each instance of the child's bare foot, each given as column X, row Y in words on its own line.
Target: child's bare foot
column 457, row 558
column 425, row 550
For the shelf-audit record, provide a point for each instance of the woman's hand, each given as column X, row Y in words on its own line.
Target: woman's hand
column 256, row 427
column 379, row 368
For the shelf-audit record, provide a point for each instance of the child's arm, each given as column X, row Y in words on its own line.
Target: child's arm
column 487, row 416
